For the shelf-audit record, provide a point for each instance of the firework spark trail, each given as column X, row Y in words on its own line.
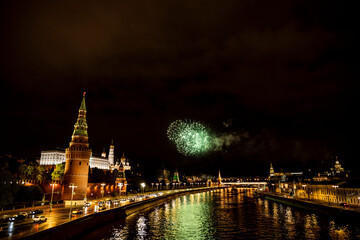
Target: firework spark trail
column 193, row 138
column 190, row 138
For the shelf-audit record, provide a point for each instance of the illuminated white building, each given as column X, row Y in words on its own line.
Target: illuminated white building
column 54, row 157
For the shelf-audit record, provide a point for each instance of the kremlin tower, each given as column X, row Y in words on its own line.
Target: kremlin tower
column 271, row 171
column 121, row 179
column 111, row 153
column 176, row 178
column 77, row 160
column 219, row 179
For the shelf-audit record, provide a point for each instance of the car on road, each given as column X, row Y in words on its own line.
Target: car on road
column 40, row 219
column 37, row 211
column 25, row 214
column 13, row 218
column 345, row 205
column 77, row 211
column 88, row 204
column 102, row 208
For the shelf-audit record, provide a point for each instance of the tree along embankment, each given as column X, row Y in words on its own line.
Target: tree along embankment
column 74, row 229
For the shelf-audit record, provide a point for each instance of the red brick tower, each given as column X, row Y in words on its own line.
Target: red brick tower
column 77, row 160
column 121, row 179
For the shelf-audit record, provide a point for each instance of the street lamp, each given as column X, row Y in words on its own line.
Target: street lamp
column 157, row 186
column 120, row 186
column 72, row 186
column 160, row 185
column 52, row 194
column 337, row 199
column 152, row 186
column 102, row 189
column 143, row 186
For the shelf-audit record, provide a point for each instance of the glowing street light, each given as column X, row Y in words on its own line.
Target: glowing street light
column 102, row 189
column 337, row 199
column 72, row 186
column 52, row 194
column 143, row 186
column 120, row 186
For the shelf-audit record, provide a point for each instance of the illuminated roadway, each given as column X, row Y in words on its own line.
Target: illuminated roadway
column 22, row 228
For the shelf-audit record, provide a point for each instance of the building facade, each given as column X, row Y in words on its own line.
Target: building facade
column 53, row 157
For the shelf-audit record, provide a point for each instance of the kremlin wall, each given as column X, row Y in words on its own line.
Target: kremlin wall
column 78, row 158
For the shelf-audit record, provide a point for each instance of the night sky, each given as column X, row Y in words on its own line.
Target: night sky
column 278, row 75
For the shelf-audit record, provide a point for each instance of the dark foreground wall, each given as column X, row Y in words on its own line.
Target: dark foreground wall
column 314, row 207
column 75, row 228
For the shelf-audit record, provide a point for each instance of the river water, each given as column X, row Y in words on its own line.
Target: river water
column 225, row 214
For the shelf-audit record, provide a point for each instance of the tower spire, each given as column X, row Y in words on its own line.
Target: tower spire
column 83, row 106
column 271, row 170
column 80, row 127
column 219, row 179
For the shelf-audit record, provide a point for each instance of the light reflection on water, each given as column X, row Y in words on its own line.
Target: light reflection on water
column 225, row 215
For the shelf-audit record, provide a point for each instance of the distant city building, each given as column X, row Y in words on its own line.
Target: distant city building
column 219, row 179
column 53, row 157
column 111, row 153
column 103, row 154
column 336, row 173
column 284, row 176
column 123, row 162
column 164, row 175
column 176, row 177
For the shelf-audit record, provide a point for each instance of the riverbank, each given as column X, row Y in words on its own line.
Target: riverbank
column 77, row 227
column 317, row 207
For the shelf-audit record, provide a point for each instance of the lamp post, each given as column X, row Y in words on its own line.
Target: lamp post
column 120, row 186
column 52, row 194
column 157, row 186
column 152, row 186
column 72, row 186
column 160, row 185
column 102, row 189
column 143, row 186
column 337, row 199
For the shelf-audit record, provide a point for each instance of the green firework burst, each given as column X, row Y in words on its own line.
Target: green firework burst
column 190, row 137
